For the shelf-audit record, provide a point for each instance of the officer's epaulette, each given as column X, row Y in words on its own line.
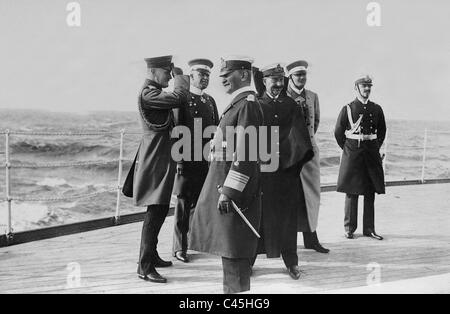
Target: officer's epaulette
column 251, row 97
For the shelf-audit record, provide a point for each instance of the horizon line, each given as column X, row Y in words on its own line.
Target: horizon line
column 86, row 112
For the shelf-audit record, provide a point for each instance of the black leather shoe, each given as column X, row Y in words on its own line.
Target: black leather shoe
column 318, row 248
column 153, row 276
column 162, row 263
column 349, row 235
column 181, row 256
column 374, row 236
column 294, row 272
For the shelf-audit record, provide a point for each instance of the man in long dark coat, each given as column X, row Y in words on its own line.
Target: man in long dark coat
column 151, row 177
column 282, row 203
column 360, row 132
column 200, row 114
column 233, row 177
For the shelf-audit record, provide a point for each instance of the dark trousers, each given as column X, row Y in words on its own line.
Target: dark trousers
column 310, row 239
column 182, row 217
column 236, row 274
column 351, row 213
column 153, row 221
column 289, row 251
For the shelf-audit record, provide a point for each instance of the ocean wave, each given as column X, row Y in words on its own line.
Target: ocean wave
column 52, row 182
column 26, row 215
column 59, row 149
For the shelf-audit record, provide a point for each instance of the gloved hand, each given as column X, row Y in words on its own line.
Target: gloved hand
column 224, row 205
column 180, row 169
column 177, row 71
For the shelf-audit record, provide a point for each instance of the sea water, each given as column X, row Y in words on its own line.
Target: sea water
column 403, row 147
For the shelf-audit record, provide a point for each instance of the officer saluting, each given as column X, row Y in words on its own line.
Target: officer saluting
column 360, row 132
column 216, row 227
column 191, row 174
column 150, row 179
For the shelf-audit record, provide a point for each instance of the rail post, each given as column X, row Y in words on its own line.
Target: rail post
column 425, row 138
column 9, row 232
column 119, row 178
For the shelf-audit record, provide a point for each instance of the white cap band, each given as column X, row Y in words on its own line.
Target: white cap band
column 296, row 69
column 200, row 67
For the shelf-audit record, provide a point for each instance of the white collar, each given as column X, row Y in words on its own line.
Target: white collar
column 240, row 91
column 361, row 100
column 294, row 88
column 196, row 91
column 272, row 97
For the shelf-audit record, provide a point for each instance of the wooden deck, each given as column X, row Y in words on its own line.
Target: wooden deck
column 415, row 257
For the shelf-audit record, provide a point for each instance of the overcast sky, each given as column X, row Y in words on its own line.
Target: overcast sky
column 45, row 64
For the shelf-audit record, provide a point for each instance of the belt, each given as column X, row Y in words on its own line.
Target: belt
column 362, row 137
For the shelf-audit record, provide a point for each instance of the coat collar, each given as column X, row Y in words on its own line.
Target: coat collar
column 266, row 98
column 295, row 94
column 196, row 91
column 361, row 101
column 239, row 94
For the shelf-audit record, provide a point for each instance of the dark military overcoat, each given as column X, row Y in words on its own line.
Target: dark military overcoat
column 281, row 202
column 361, row 169
column 227, row 235
column 152, row 175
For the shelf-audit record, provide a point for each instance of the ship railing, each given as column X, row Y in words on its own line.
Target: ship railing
column 9, row 197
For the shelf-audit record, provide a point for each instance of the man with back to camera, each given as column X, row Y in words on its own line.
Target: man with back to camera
column 191, row 174
column 151, row 176
column 360, row 131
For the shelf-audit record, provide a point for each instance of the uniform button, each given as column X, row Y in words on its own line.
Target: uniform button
column 196, row 112
column 371, row 120
column 276, row 116
column 365, row 108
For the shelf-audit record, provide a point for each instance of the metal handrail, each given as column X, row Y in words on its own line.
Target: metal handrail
column 9, row 198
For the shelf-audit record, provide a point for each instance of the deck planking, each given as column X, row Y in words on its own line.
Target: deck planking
column 415, row 255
